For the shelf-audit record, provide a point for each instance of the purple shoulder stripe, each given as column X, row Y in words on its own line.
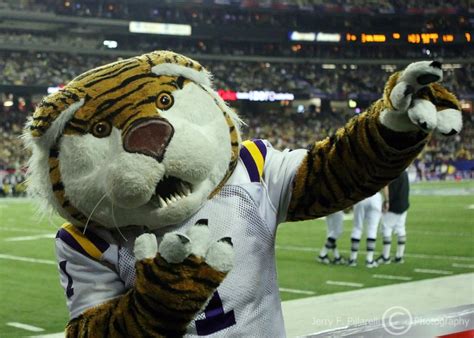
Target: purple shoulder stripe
column 261, row 146
column 250, row 165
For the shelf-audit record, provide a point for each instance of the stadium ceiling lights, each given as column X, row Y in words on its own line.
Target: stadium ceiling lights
column 110, row 43
column 159, row 28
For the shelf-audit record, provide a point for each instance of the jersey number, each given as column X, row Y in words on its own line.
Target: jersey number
column 69, row 288
column 216, row 319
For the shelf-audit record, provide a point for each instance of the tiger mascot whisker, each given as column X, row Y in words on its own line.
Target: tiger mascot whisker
column 92, row 212
column 182, row 215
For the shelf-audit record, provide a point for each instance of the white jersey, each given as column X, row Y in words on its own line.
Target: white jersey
column 99, row 266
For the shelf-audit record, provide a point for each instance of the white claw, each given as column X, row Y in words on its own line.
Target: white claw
column 146, row 246
column 173, row 199
column 168, row 201
column 175, row 247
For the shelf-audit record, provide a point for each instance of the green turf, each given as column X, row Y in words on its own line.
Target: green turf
column 440, row 226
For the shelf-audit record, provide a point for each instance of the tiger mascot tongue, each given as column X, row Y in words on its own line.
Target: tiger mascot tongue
column 145, row 162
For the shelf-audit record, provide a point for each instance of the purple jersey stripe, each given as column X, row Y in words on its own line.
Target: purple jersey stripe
column 209, row 326
column 261, row 146
column 250, row 165
column 67, row 238
column 214, row 307
column 216, row 319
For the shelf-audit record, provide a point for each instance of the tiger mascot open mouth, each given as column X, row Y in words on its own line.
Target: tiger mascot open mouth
column 142, row 141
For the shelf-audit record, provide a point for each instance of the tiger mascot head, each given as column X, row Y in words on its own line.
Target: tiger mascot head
column 143, row 141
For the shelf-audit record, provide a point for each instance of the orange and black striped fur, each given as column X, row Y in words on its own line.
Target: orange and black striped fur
column 165, row 299
column 360, row 158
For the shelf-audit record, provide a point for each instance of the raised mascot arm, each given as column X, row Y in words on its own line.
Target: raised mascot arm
column 375, row 147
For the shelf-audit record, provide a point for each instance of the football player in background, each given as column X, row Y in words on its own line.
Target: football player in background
column 335, row 227
column 368, row 212
column 394, row 220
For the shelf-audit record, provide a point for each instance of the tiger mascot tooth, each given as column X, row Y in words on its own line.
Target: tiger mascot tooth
column 171, row 218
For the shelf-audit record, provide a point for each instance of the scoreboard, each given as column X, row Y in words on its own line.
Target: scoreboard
column 425, row 38
column 414, row 38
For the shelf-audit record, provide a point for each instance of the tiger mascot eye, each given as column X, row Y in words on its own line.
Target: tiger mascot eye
column 171, row 218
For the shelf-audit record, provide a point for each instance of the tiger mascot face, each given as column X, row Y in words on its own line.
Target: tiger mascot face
column 143, row 141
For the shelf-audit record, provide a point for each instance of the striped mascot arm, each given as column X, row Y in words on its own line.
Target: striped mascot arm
column 173, row 283
column 375, row 147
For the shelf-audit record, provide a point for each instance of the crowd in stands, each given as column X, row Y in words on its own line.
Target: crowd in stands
column 298, row 130
column 283, row 127
column 37, row 39
column 12, row 119
column 234, row 11
column 340, row 81
column 291, row 130
column 21, row 68
column 295, row 131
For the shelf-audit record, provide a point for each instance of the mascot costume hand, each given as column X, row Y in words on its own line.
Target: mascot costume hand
column 145, row 162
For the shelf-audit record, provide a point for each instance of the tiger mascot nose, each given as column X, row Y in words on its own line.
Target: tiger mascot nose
column 149, row 137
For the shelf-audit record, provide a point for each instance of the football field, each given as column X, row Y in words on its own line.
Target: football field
column 440, row 242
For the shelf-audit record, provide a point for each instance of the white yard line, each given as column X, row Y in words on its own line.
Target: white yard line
column 457, row 265
column 28, row 238
column 304, row 292
column 340, row 283
column 392, row 277
column 470, row 206
column 25, row 327
column 309, row 249
column 27, row 259
column 434, row 272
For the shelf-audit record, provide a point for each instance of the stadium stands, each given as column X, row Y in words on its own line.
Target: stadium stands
column 240, row 11
column 44, row 44
column 339, row 82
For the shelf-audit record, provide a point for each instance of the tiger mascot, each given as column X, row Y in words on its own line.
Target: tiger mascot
column 171, row 218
